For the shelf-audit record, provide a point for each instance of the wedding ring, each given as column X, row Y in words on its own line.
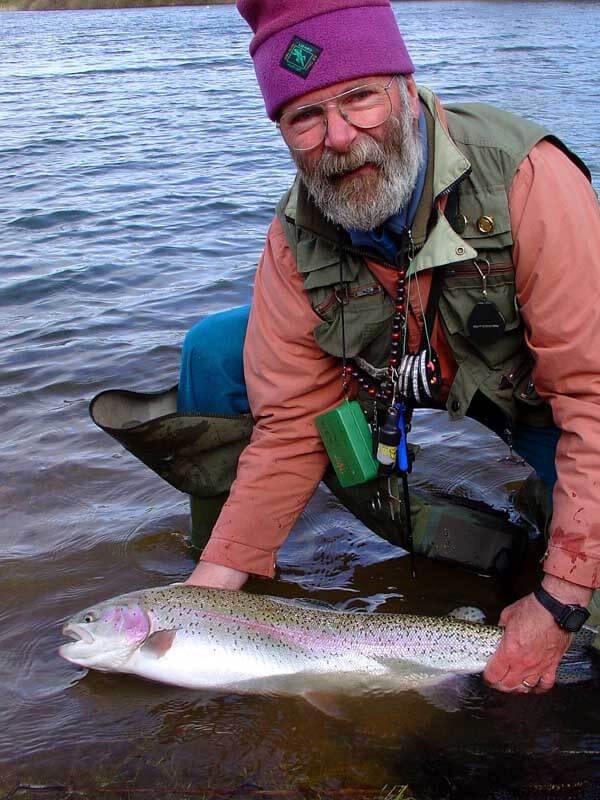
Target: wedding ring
column 529, row 685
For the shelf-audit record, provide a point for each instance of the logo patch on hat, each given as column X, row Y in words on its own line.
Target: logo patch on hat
column 300, row 57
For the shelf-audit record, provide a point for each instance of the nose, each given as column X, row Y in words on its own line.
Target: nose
column 340, row 133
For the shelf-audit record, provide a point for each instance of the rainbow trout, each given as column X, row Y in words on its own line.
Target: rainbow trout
column 239, row 642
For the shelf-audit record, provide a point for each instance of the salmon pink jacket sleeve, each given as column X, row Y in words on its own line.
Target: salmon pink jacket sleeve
column 290, row 380
column 555, row 219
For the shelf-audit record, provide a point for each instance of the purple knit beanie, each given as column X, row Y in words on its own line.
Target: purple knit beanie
column 302, row 45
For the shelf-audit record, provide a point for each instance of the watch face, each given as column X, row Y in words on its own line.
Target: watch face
column 573, row 618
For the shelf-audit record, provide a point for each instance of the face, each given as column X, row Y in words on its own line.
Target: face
column 358, row 178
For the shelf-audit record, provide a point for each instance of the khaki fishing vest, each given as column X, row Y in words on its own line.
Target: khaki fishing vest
column 478, row 157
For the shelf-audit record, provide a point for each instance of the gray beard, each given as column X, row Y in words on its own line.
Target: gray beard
column 367, row 201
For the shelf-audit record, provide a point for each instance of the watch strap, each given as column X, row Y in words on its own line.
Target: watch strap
column 568, row 616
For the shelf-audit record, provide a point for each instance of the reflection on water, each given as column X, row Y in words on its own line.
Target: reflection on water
column 139, row 176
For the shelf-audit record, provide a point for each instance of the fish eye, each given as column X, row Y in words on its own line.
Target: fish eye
column 89, row 617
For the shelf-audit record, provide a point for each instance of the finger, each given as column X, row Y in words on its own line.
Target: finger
column 504, row 617
column 531, row 682
column 516, row 682
column 508, row 689
column 546, row 682
column 502, row 663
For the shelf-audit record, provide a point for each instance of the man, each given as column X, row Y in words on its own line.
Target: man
column 398, row 200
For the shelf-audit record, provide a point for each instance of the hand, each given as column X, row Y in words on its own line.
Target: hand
column 217, row 576
column 533, row 644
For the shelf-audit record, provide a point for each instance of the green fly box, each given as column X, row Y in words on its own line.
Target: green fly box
column 349, row 444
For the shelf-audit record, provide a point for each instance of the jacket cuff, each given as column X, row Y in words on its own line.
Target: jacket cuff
column 575, row 567
column 237, row 555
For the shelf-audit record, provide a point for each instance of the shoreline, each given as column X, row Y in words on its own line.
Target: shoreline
column 88, row 5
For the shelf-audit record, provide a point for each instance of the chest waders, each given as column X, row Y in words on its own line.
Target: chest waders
column 198, row 453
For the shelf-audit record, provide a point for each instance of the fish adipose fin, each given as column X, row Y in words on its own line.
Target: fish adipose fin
column 158, row 644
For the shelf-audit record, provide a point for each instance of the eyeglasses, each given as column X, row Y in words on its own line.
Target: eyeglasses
column 367, row 106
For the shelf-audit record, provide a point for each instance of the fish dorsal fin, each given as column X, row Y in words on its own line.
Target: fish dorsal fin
column 158, row 644
column 304, row 602
column 468, row 614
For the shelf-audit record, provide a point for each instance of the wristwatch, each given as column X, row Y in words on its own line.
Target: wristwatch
column 568, row 616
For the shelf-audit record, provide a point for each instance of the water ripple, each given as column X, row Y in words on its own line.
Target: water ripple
column 40, row 222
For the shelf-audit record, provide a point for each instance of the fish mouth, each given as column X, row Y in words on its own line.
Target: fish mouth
column 78, row 634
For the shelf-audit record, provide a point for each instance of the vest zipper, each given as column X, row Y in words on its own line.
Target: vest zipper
column 467, row 272
column 454, row 184
column 367, row 290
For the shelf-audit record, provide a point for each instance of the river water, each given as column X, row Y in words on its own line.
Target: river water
column 139, row 175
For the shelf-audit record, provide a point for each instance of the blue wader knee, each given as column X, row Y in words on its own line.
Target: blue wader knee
column 211, row 377
column 538, row 447
column 211, row 380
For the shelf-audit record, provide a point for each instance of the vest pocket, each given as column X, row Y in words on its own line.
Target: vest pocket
column 486, row 216
column 367, row 314
column 349, row 295
column 464, row 285
column 457, row 304
column 463, row 289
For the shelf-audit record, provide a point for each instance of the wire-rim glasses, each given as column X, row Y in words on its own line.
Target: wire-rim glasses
column 365, row 106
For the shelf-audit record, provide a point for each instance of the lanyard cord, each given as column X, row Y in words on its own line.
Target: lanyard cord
column 405, row 419
column 342, row 302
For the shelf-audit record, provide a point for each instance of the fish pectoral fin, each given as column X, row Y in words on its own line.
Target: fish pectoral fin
column 448, row 694
column 159, row 643
column 326, row 702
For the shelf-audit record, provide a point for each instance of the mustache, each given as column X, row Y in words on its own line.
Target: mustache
column 333, row 165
